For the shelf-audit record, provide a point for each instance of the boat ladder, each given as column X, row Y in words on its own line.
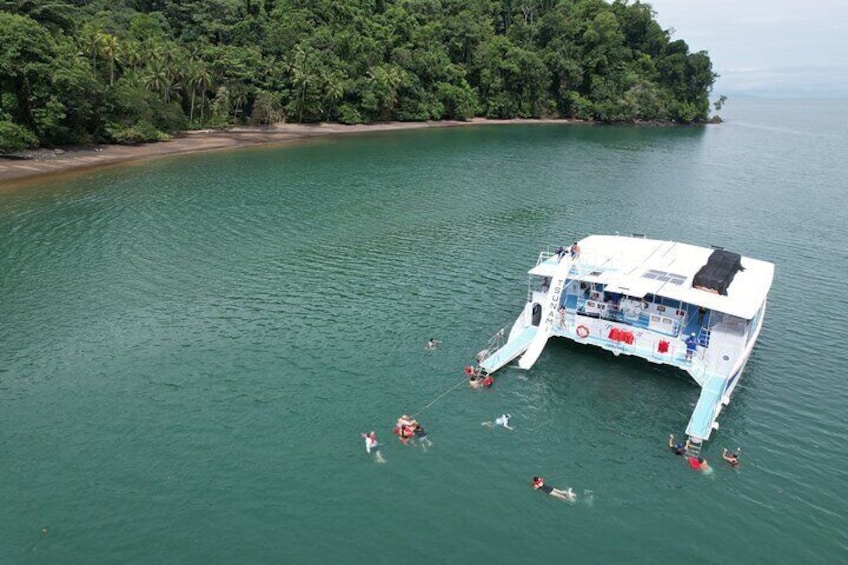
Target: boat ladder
column 693, row 448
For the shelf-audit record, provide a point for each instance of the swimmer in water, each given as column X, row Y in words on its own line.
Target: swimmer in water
column 732, row 458
column 421, row 436
column 404, row 421
column 404, row 428
column 677, row 448
column 432, row 343
column 538, row 483
column 370, row 441
column 371, row 445
column 700, row 464
column 502, row 420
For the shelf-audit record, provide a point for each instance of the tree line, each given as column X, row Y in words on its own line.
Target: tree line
column 126, row 71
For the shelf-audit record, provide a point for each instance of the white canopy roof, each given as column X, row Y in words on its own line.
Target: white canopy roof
column 621, row 263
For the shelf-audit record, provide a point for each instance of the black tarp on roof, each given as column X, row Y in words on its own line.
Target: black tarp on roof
column 719, row 271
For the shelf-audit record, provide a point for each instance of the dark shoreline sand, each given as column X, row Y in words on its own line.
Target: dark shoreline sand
column 49, row 163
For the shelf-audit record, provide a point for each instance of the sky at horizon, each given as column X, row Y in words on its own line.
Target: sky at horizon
column 772, row 48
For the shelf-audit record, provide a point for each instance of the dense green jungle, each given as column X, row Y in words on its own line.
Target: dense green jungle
column 128, row 71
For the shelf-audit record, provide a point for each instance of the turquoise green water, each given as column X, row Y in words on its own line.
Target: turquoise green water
column 190, row 348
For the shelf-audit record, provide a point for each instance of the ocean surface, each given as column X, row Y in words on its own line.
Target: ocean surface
column 190, row 348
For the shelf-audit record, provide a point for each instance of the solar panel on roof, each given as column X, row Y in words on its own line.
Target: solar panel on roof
column 663, row 276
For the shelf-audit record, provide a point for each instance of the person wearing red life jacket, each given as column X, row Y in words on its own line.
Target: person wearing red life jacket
column 538, row 483
column 699, row 464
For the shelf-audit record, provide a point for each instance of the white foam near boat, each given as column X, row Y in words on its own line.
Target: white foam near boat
column 644, row 297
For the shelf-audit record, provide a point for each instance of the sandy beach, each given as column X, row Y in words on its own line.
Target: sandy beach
column 49, row 162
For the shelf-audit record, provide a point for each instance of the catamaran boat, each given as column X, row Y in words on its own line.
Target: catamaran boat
column 695, row 308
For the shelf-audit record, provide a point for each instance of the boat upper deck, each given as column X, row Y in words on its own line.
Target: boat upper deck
column 636, row 266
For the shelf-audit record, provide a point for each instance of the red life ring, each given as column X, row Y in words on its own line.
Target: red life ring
column 582, row 332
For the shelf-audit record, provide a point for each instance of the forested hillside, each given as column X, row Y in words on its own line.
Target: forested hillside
column 79, row 71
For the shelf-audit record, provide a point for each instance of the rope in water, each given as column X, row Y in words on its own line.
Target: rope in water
column 463, row 381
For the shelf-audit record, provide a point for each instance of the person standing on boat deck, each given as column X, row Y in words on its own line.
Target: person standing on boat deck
column 677, row 448
column 732, row 458
column 538, row 483
column 691, row 346
column 575, row 251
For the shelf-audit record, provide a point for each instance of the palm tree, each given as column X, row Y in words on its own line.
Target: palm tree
column 89, row 42
column 302, row 76
column 157, row 78
column 387, row 79
column 191, row 73
column 333, row 91
column 130, row 54
column 204, row 83
column 221, row 103
column 109, row 47
column 238, row 99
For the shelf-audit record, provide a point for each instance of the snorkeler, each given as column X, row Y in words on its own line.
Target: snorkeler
column 538, row 483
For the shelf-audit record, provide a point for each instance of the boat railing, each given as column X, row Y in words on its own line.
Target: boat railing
column 544, row 256
column 625, row 337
